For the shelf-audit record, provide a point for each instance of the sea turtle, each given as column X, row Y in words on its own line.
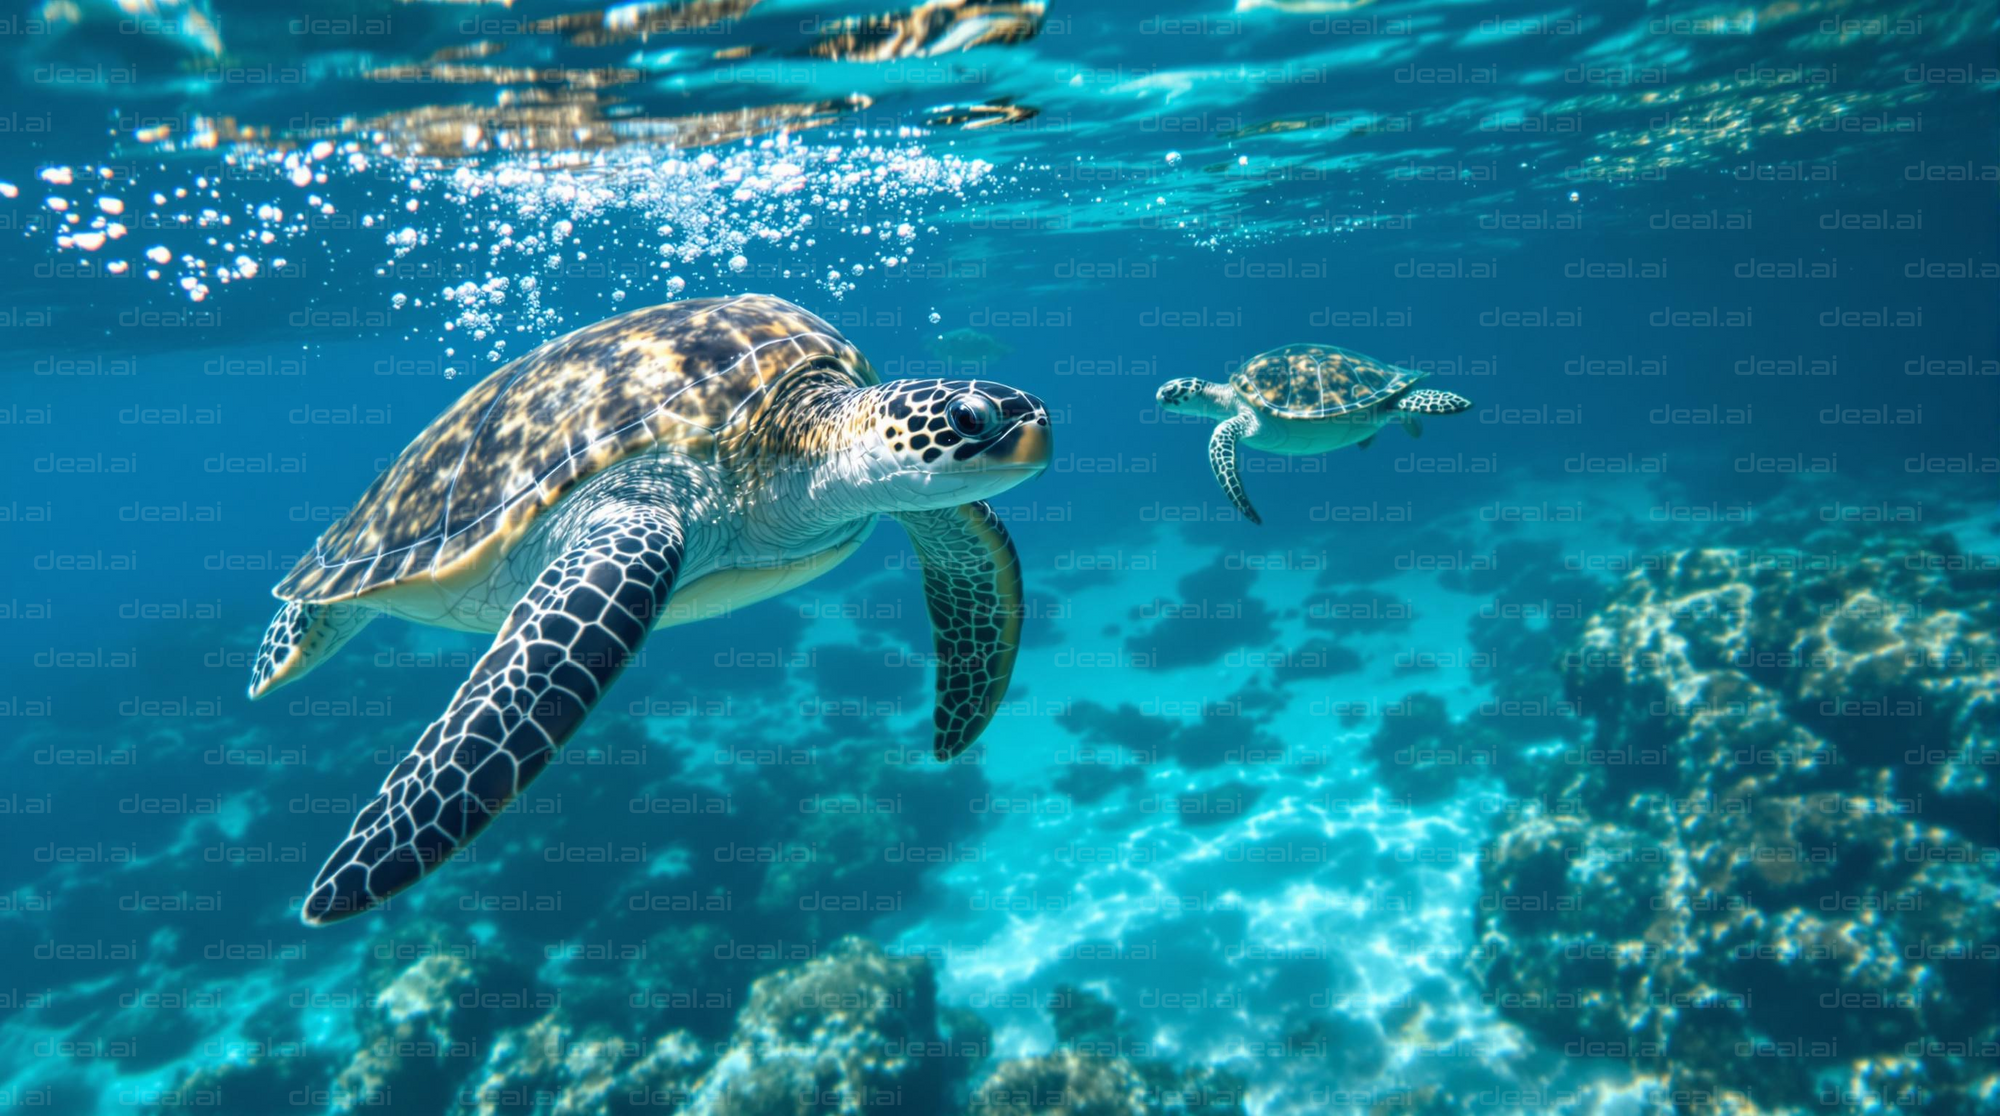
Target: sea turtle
column 662, row 466
column 1303, row 399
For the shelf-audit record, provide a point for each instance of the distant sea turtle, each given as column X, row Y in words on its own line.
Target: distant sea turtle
column 661, row 466
column 1303, row 399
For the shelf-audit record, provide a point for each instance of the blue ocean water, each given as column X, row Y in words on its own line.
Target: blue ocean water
column 1626, row 743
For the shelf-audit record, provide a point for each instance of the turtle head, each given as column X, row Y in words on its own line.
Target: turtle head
column 1197, row 397
column 941, row 443
column 1179, row 393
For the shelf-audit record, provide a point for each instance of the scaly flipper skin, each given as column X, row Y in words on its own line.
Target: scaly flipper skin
column 1430, row 401
column 564, row 643
column 972, row 585
column 301, row 637
column 1222, row 458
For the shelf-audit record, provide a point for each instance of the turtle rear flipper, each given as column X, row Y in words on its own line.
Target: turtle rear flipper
column 565, row 642
column 301, row 637
column 1430, row 401
column 1222, row 459
column 972, row 587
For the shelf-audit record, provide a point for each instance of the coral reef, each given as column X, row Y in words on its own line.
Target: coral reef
column 851, row 1031
column 1063, row 1083
column 1767, row 878
column 1099, row 1069
column 854, row 1030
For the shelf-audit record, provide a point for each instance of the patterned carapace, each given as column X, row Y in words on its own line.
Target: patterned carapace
column 518, row 441
column 1317, row 381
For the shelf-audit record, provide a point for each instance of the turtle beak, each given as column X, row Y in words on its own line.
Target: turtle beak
column 1027, row 446
column 1029, row 443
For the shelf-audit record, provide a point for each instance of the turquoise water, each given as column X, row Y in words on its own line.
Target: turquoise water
column 1624, row 744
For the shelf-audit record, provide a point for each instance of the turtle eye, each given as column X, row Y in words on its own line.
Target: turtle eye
column 972, row 416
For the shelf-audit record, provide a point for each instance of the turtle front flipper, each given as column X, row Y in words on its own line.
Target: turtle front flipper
column 564, row 643
column 972, row 585
column 1222, row 458
column 301, row 637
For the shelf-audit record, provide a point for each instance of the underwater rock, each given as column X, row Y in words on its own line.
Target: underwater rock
column 263, row 1074
column 1214, row 613
column 428, row 1009
column 1225, row 731
column 851, row 1031
column 1062, row 1083
column 1420, row 753
column 1082, row 1018
column 1086, row 784
column 1803, row 670
column 431, row 1013
column 662, row 1081
column 548, row 1067
column 1091, row 1072
column 1770, row 867
column 1348, row 613
column 839, row 823
column 450, row 1027
column 1316, row 658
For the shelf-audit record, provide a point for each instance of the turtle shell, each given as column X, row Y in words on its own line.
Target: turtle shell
column 1317, row 381
column 676, row 377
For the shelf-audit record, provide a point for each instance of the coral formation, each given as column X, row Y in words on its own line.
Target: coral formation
column 1767, row 878
column 853, row 1030
column 1099, row 1069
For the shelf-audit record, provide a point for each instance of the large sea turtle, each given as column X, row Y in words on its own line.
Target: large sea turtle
column 1303, row 399
column 658, row 467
